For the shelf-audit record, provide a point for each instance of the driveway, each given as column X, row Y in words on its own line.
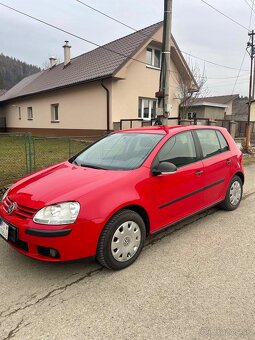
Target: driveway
column 197, row 282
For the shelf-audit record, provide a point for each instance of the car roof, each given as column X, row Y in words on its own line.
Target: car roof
column 161, row 129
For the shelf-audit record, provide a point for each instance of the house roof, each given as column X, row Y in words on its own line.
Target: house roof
column 205, row 103
column 100, row 63
column 2, row 91
column 215, row 100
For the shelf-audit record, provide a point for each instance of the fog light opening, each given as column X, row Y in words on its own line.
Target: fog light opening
column 54, row 253
column 49, row 252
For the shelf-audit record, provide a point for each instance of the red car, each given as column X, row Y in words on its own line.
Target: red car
column 107, row 199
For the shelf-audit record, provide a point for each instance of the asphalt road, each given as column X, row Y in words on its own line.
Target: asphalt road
column 197, row 282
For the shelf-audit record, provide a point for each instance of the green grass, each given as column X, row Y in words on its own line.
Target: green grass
column 15, row 151
column 14, row 154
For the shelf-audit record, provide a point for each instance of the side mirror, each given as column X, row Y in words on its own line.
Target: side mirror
column 164, row 168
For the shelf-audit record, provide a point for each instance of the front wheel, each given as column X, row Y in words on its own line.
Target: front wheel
column 234, row 194
column 122, row 240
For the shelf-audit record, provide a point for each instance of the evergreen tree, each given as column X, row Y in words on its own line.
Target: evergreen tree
column 13, row 70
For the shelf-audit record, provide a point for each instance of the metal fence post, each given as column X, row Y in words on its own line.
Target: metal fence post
column 69, row 147
column 26, row 152
column 30, row 153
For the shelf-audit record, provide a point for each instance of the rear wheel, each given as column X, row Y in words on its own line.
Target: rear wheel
column 121, row 240
column 233, row 195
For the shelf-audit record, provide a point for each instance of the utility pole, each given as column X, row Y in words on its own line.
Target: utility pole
column 251, row 89
column 163, row 94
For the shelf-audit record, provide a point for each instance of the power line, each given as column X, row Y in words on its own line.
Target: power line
column 135, row 30
column 228, row 82
column 70, row 33
column 244, row 51
column 103, row 47
column 243, row 75
column 97, row 45
column 211, row 62
column 106, row 15
column 249, row 5
column 228, row 85
column 225, row 15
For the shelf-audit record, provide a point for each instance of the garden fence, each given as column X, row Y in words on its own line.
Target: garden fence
column 22, row 154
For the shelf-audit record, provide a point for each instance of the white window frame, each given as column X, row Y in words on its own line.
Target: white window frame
column 152, row 65
column 151, row 100
column 53, row 113
column 30, row 115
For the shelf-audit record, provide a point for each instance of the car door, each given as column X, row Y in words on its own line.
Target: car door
column 216, row 158
column 178, row 194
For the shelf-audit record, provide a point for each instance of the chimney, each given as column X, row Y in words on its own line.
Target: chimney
column 67, row 55
column 53, row 61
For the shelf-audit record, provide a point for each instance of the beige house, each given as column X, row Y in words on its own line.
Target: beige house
column 217, row 107
column 91, row 93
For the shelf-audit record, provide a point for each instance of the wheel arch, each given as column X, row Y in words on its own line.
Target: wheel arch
column 143, row 213
column 241, row 175
column 139, row 210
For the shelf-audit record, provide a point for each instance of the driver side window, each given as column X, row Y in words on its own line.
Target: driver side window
column 179, row 150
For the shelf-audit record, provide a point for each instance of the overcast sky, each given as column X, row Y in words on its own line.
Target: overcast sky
column 197, row 28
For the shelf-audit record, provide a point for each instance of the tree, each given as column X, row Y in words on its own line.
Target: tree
column 191, row 88
column 13, row 70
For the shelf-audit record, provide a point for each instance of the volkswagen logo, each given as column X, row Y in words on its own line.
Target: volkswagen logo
column 12, row 207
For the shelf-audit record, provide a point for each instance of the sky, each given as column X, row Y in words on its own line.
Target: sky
column 198, row 29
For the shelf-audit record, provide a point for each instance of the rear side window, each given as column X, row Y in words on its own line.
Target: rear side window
column 209, row 142
column 223, row 142
column 179, row 150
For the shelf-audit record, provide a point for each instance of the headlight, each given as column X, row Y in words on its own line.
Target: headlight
column 62, row 213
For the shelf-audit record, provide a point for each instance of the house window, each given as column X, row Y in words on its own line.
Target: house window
column 54, row 113
column 153, row 57
column 19, row 113
column 30, row 113
column 147, row 108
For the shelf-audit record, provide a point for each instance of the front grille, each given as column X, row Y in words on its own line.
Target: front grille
column 21, row 210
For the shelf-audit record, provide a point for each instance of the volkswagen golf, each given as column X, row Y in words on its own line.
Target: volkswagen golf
column 106, row 200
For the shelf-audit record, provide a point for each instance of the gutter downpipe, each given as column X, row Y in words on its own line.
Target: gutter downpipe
column 107, row 105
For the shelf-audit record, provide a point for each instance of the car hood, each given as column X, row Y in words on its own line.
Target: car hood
column 63, row 182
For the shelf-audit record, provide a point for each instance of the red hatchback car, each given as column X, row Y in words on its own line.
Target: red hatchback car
column 107, row 199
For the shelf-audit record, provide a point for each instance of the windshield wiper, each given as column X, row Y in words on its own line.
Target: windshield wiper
column 92, row 166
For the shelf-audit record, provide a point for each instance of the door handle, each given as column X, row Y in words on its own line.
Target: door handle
column 228, row 161
column 199, row 172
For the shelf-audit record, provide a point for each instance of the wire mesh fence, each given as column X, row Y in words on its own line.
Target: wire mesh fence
column 21, row 154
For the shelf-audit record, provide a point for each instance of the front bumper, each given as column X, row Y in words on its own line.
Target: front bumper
column 52, row 243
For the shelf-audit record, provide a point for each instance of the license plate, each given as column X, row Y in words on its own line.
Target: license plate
column 4, row 230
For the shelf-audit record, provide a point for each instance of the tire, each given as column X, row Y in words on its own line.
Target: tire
column 234, row 194
column 121, row 240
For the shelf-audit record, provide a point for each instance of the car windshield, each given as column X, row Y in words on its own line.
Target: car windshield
column 120, row 151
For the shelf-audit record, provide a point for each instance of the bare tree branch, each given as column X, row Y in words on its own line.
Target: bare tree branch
column 188, row 92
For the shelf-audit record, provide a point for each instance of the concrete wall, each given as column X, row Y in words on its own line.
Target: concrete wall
column 229, row 108
column 214, row 112
column 208, row 112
